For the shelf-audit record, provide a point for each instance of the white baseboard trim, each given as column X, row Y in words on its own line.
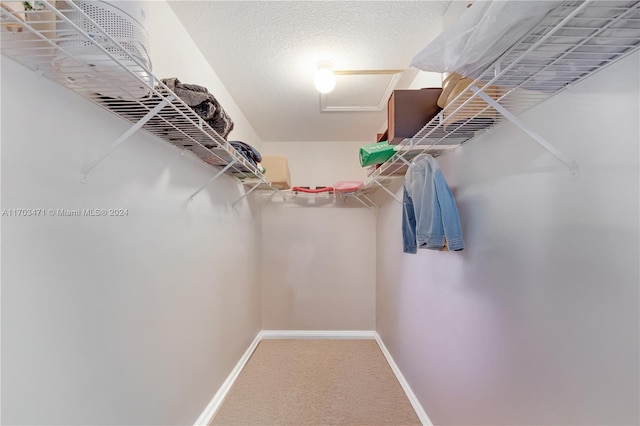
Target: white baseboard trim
column 207, row 415
column 318, row 334
column 422, row 415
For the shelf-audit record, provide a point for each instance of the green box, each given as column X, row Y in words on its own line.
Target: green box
column 376, row 153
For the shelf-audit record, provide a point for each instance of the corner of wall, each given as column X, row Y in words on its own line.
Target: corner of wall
column 174, row 54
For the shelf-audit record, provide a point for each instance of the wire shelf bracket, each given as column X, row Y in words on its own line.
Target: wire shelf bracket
column 388, row 192
column 213, row 178
column 369, row 200
column 126, row 135
column 246, row 193
column 572, row 165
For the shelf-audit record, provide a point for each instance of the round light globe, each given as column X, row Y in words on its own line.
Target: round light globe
column 325, row 80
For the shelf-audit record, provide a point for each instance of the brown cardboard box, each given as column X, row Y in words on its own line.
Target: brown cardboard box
column 409, row 110
column 277, row 170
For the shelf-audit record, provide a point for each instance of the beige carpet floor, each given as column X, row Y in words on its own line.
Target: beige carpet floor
column 316, row 382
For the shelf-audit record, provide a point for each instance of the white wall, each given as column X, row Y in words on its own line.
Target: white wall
column 537, row 320
column 317, row 265
column 118, row 320
column 319, row 163
column 318, row 268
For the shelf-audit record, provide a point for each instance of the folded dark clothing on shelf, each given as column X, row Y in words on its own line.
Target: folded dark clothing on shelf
column 203, row 103
column 249, row 152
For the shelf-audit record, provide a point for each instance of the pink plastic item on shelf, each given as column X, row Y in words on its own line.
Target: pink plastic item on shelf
column 347, row 186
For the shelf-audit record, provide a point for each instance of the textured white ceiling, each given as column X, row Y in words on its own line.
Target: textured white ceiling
column 266, row 52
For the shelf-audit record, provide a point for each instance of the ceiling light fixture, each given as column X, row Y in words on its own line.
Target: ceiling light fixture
column 325, row 78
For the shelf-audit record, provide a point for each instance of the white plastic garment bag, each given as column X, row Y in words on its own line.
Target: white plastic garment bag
column 481, row 35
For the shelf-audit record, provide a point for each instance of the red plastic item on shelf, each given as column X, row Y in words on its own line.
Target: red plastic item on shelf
column 317, row 190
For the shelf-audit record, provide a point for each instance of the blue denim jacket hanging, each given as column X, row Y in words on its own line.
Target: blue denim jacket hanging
column 429, row 213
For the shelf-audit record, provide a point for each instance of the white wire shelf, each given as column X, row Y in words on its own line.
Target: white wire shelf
column 65, row 45
column 574, row 40
column 331, row 198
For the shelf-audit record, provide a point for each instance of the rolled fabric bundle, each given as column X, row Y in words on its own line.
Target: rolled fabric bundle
column 202, row 103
